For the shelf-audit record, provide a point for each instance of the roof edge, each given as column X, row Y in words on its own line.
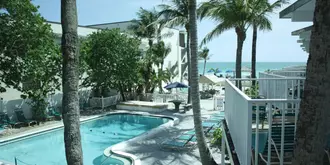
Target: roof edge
column 292, row 8
column 297, row 32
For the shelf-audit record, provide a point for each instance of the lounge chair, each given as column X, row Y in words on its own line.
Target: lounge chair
column 52, row 113
column 21, row 118
column 6, row 122
column 179, row 143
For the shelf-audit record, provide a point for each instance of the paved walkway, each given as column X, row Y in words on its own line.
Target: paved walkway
column 149, row 150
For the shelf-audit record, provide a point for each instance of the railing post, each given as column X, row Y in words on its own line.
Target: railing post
column 270, row 122
column 223, row 146
column 256, row 155
column 282, row 134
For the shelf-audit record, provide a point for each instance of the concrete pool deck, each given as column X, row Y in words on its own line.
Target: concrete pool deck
column 149, row 152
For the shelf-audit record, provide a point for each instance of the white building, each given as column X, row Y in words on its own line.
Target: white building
column 175, row 61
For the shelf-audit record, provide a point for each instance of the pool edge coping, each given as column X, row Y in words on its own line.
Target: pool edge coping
column 115, row 149
column 43, row 130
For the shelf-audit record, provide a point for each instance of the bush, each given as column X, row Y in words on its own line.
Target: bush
column 217, row 137
column 38, row 107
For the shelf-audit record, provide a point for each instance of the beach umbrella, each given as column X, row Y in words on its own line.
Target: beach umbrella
column 218, row 71
column 229, row 71
column 210, row 71
column 176, row 85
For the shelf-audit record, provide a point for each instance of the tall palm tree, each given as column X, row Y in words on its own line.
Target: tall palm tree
column 204, row 55
column 176, row 15
column 160, row 51
column 313, row 121
column 230, row 15
column 70, row 103
column 261, row 22
column 204, row 151
column 144, row 27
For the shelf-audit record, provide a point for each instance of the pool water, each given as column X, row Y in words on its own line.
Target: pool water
column 96, row 135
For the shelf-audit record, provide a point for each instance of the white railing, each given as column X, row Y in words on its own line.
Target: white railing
column 103, row 102
column 238, row 119
column 280, row 87
column 218, row 102
column 289, row 73
column 166, row 97
column 246, row 119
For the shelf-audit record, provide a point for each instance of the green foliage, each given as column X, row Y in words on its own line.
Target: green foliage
column 252, row 91
column 217, row 137
column 38, row 107
column 145, row 27
column 204, row 54
column 22, row 33
column 30, row 59
column 175, row 14
column 112, row 60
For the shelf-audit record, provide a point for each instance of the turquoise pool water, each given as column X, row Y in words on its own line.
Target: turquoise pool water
column 97, row 135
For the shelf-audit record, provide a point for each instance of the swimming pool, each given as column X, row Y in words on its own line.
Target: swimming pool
column 96, row 135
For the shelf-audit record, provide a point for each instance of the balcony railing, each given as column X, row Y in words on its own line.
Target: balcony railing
column 274, row 86
column 290, row 73
column 262, row 130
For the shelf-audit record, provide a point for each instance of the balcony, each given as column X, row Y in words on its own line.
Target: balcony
column 261, row 125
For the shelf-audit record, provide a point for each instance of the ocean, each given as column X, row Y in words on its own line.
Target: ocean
column 260, row 66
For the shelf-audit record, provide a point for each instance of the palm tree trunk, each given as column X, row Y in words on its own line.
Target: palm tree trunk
column 240, row 42
column 189, row 62
column 70, row 103
column 204, row 67
column 204, row 151
column 254, row 52
column 313, row 120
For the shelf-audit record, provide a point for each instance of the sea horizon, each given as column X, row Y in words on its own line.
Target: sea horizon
column 260, row 66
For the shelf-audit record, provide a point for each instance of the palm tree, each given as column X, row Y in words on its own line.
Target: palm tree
column 261, row 22
column 176, row 14
column 70, row 103
column 160, row 52
column 204, row 151
column 144, row 27
column 313, row 121
column 204, row 55
column 230, row 15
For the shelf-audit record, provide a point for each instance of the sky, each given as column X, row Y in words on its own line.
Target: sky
column 272, row 46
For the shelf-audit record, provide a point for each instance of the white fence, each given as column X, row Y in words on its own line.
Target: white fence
column 243, row 117
column 289, row 73
column 275, row 86
column 163, row 98
column 103, row 102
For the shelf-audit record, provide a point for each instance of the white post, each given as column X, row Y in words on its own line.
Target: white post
column 256, row 144
column 223, row 147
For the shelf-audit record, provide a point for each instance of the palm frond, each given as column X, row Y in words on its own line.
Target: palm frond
column 220, row 28
column 264, row 23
